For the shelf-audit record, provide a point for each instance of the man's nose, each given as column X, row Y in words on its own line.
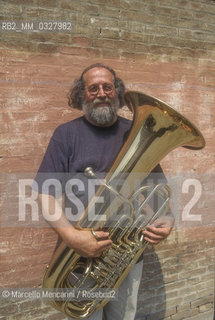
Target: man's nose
column 101, row 93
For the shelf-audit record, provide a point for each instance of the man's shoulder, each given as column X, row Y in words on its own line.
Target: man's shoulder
column 67, row 130
column 71, row 124
column 125, row 122
column 68, row 127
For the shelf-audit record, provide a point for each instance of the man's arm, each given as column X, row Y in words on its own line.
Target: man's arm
column 82, row 241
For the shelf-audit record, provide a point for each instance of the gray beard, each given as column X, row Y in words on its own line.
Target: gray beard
column 101, row 116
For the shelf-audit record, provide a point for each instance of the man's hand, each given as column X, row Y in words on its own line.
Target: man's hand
column 84, row 243
column 157, row 231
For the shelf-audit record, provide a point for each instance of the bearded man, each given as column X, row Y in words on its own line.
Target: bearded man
column 94, row 140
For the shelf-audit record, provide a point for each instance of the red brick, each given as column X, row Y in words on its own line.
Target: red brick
column 82, row 41
column 80, row 51
column 47, row 47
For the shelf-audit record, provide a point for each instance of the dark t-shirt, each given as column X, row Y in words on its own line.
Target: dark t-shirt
column 75, row 146
column 78, row 144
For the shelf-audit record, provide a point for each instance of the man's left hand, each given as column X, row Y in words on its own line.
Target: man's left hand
column 157, row 231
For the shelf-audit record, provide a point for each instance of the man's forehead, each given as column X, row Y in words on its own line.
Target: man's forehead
column 97, row 73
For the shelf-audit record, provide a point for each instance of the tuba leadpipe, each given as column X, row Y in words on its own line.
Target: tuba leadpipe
column 156, row 130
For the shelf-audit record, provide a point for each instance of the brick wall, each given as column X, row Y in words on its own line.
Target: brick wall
column 126, row 29
column 164, row 48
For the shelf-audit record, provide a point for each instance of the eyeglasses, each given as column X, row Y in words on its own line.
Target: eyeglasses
column 106, row 87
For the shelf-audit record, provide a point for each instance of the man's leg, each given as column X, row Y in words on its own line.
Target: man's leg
column 125, row 306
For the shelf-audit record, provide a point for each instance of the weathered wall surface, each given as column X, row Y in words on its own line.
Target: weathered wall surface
column 164, row 48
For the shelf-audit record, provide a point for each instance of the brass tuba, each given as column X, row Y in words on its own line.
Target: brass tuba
column 156, row 130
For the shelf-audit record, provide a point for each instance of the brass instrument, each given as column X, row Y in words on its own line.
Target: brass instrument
column 156, row 130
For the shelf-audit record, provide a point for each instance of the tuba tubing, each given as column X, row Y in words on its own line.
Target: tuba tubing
column 156, row 130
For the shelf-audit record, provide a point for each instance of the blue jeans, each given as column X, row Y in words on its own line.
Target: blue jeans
column 124, row 308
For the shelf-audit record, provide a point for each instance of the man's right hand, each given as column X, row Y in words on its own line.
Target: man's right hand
column 84, row 243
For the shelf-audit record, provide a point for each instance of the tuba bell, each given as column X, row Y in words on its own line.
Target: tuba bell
column 156, row 130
